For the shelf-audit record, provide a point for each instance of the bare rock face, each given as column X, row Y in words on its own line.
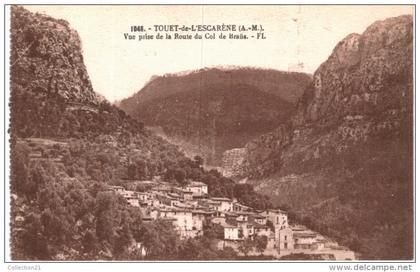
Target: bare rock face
column 363, row 90
column 233, row 162
column 47, row 57
column 356, row 78
column 51, row 93
column 258, row 155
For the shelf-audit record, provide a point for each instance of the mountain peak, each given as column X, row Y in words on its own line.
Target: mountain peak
column 47, row 57
column 51, row 93
column 360, row 68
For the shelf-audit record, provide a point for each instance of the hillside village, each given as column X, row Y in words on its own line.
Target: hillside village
column 190, row 209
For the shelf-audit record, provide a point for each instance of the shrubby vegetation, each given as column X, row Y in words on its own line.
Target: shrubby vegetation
column 68, row 213
column 371, row 211
column 38, row 115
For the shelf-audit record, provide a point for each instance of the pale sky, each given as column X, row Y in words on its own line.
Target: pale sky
column 118, row 67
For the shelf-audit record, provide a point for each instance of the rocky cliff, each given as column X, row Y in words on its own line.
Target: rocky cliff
column 51, row 93
column 211, row 110
column 47, row 57
column 364, row 89
column 347, row 152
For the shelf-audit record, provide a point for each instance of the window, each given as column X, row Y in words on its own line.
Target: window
column 278, row 220
column 285, row 245
column 285, row 237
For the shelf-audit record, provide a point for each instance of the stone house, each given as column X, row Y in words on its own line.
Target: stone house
column 224, row 204
column 197, row 188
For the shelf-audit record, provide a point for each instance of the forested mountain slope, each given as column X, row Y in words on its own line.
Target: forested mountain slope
column 212, row 110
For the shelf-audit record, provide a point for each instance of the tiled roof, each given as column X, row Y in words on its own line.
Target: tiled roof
column 168, row 218
column 203, row 212
column 227, row 225
column 304, row 234
column 221, row 199
column 196, row 183
column 115, row 186
column 259, row 226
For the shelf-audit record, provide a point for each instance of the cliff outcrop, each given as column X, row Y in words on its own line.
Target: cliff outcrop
column 51, row 93
column 363, row 90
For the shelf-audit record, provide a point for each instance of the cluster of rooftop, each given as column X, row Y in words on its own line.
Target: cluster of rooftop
column 190, row 208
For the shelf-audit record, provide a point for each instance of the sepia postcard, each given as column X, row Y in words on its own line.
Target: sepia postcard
column 210, row 133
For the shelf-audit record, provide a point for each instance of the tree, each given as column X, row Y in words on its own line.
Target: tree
column 142, row 170
column 35, row 243
column 19, row 169
column 135, row 222
column 54, row 226
column 180, row 176
column 213, row 230
column 190, row 249
column 160, row 240
column 246, row 246
column 123, row 239
column 270, row 225
column 131, row 171
column 227, row 253
column 198, row 160
column 261, row 242
column 169, row 174
column 105, row 213
column 89, row 241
